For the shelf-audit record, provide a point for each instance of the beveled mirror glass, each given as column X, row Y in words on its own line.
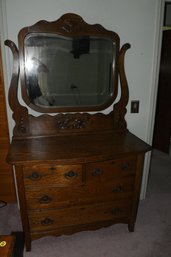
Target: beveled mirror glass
column 68, row 72
column 68, row 65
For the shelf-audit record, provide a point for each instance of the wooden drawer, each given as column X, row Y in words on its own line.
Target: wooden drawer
column 54, row 197
column 109, row 170
column 61, row 175
column 51, row 220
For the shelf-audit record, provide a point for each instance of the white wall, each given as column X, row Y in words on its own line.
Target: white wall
column 133, row 20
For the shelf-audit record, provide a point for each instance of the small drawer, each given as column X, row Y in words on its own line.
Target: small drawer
column 85, row 214
column 112, row 169
column 57, row 197
column 62, row 175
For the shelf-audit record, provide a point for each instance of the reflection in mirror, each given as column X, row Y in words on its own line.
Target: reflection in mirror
column 68, row 72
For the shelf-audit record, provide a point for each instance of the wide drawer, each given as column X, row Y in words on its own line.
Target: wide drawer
column 54, row 197
column 112, row 169
column 50, row 220
column 61, row 175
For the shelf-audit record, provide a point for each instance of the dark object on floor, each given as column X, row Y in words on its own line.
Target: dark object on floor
column 2, row 203
column 19, row 244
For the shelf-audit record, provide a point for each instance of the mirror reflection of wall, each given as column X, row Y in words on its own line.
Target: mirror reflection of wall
column 68, row 72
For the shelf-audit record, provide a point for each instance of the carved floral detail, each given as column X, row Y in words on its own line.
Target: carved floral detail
column 71, row 122
column 70, row 26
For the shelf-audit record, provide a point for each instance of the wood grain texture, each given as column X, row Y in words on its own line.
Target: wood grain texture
column 71, row 148
column 52, row 219
column 70, row 183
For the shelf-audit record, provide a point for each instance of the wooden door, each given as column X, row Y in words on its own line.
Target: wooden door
column 7, row 188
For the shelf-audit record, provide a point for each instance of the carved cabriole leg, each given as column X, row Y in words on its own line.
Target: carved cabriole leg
column 23, row 206
column 120, row 107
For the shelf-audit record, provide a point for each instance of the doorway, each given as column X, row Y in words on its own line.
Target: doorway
column 162, row 126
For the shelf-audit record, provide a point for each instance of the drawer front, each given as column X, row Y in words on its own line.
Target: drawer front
column 54, row 197
column 109, row 170
column 62, row 175
column 43, row 221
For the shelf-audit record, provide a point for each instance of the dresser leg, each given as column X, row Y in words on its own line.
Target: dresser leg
column 131, row 227
column 28, row 245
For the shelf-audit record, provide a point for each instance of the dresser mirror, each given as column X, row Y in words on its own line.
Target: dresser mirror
column 72, row 67
column 69, row 72
column 68, row 66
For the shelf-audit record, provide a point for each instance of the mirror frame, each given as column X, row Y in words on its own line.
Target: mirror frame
column 72, row 120
column 71, row 26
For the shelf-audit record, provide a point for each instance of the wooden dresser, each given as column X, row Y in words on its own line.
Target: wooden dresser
column 75, row 170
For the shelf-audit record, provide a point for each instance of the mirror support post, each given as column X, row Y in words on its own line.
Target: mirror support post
column 20, row 113
column 119, row 108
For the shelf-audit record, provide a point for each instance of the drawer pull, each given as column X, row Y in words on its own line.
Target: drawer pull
column 97, row 172
column 46, row 222
column 35, row 176
column 115, row 211
column 126, row 166
column 45, row 199
column 71, row 174
column 118, row 189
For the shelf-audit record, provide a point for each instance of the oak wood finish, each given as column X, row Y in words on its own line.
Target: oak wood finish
column 75, row 171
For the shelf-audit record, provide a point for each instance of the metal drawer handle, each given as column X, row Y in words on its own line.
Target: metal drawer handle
column 97, row 172
column 46, row 222
column 45, row 199
column 71, row 174
column 126, row 166
column 35, row 176
column 118, row 189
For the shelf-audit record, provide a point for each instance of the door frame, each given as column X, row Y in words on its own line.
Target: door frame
column 160, row 8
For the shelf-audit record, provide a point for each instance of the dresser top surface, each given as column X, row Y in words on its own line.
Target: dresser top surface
column 80, row 148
